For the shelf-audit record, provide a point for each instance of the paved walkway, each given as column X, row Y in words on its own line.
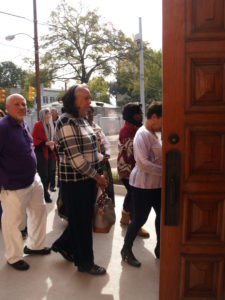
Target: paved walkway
column 53, row 278
column 113, row 139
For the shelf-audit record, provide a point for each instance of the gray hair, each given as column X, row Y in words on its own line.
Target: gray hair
column 80, row 87
column 10, row 97
column 49, row 130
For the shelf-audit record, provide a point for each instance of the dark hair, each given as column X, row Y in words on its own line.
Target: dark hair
column 154, row 108
column 129, row 110
column 68, row 101
column 91, row 108
column 2, row 114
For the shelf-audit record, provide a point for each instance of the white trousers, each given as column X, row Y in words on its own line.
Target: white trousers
column 15, row 206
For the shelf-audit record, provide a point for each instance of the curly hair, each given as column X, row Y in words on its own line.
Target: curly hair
column 130, row 109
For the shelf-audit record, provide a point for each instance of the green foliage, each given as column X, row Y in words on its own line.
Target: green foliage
column 45, row 78
column 2, row 106
column 80, row 45
column 30, row 79
column 99, row 89
column 11, row 75
column 153, row 74
column 128, row 76
column 7, row 92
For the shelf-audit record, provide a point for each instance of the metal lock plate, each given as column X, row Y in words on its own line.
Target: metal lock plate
column 173, row 138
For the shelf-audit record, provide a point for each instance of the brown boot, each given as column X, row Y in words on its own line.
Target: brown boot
column 143, row 233
column 125, row 218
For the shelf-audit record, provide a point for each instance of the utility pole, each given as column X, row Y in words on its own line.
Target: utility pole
column 142, row 82
column 138, row 40
column 37, row 71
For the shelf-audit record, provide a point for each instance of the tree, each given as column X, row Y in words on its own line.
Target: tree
column 80, row 45
column 128, row 76
column 11, row 75
column 99, row 89
column 45, row 78
column 153, row 74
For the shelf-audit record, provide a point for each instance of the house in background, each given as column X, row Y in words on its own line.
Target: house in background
column 106, row 115
column 49, row 95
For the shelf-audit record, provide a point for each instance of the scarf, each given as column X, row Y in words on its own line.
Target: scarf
column 49, row 128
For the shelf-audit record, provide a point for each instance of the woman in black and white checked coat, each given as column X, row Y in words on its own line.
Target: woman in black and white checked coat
column 78, row 165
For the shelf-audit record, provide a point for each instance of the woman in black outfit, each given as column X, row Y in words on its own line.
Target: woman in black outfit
column 78, row 165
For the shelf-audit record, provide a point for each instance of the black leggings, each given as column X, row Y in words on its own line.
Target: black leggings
column 143, row 200
column 44, row 168
column 127, row 203
column 79, row 198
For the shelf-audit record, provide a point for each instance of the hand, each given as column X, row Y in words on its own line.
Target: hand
column 50, row 144
column 106, row 157
column 101, row 181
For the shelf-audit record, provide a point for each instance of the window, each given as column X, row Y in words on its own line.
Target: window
column 45, row 99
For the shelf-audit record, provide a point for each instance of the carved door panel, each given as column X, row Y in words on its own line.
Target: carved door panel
column 192, row 265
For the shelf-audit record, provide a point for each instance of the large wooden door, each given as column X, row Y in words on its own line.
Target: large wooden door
column 192, row 264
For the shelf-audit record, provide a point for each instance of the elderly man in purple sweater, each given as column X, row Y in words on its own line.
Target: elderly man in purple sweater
column 20, row 186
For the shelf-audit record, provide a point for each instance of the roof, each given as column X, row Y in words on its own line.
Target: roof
column 102, row 104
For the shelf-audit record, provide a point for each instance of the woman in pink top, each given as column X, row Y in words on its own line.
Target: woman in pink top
column 145, row 181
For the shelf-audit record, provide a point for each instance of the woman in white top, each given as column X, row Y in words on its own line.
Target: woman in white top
column 145, row 181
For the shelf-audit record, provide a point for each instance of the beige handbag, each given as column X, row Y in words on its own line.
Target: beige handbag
column 104, row 213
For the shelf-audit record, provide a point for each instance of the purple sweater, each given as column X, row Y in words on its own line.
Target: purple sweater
column 17, row 158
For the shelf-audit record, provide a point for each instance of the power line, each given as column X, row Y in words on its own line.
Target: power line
column 21, row 17
column 15, row 47
column 30, row 20
column 28, row 50
column 16, row 16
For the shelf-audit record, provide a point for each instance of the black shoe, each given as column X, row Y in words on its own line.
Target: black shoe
column 43, row 251
column 20, row 265
column 24, row 233
column 48, row 200
column 52, row 189
column 128, row 256
column 95, row 270
column 157, row 251
column 64, row 253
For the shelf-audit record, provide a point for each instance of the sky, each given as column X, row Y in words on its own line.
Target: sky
column 123, row 14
